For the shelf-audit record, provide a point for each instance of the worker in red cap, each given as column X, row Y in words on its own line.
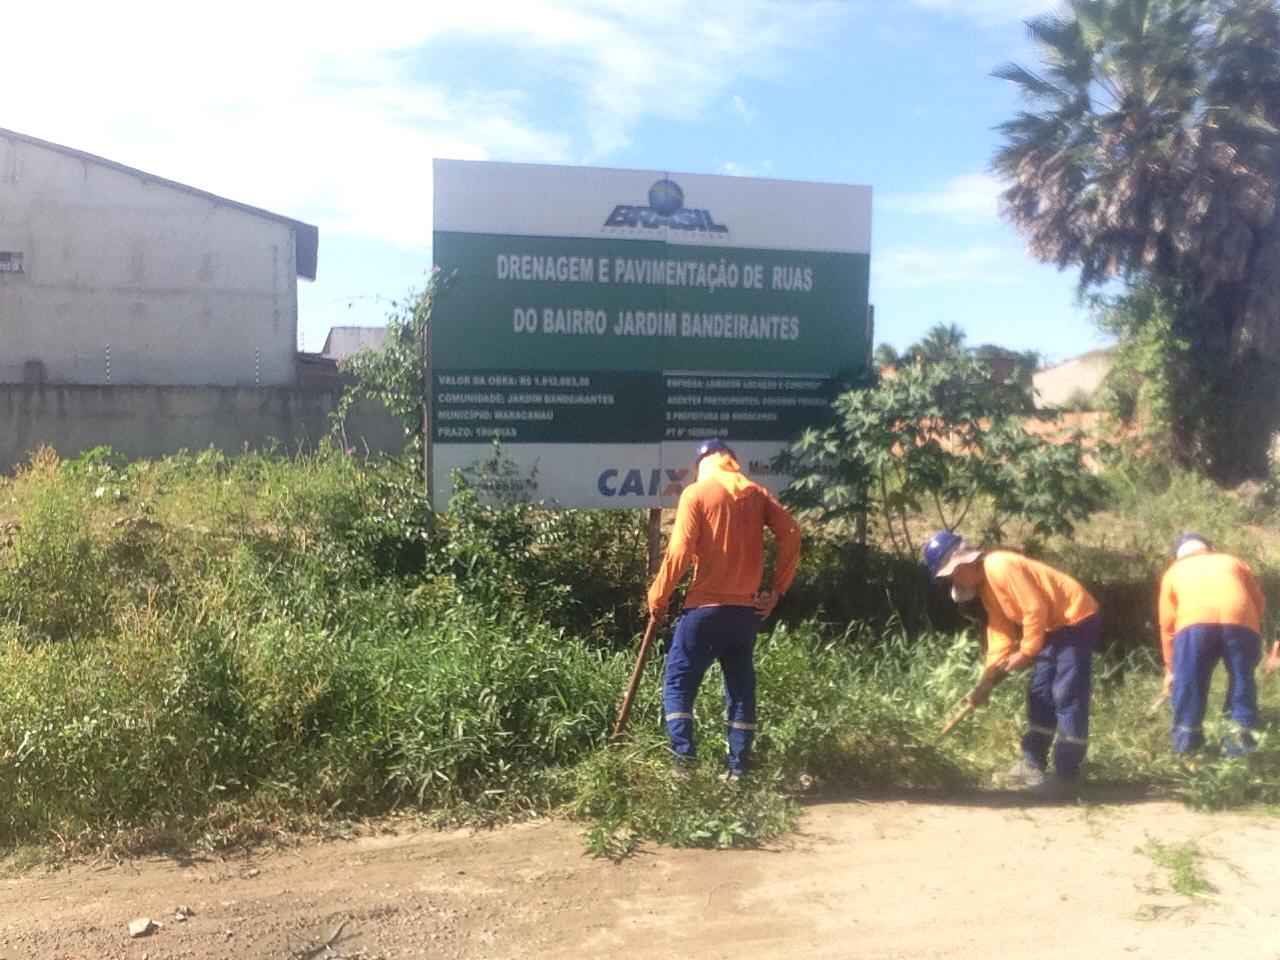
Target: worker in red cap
column 719, row 529
column 1059, row 624
column 1210, row 609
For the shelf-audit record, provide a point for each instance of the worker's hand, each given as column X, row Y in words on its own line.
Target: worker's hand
column 1017, row 661
column 980, row 694
column 1273, row 658
column 658, row 614
column 1167, row 690
column 766, row 600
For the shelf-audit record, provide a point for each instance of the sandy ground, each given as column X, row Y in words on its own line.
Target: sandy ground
column 916, row 877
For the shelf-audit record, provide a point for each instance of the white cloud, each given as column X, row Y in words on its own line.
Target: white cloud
column 991, row 11
column 739, row 106
column 270, row 104
column 321, row 111
column 670, row 59
column 971, row 197
column 910, row 268
column 733, row 169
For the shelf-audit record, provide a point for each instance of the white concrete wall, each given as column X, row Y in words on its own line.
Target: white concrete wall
column 182, row 288
column 155, row 421
column 1059, row 386
column 342, row 342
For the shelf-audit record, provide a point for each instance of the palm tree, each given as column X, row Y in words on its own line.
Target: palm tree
column 943, row 341
column 1150, row 153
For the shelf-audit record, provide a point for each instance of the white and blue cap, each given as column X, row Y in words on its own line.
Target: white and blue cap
column 1189, row 542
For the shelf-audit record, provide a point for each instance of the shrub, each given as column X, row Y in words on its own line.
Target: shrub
column 931, row 444
column 52, row 581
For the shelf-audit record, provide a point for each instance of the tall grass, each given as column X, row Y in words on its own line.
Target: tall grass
column 205, row 645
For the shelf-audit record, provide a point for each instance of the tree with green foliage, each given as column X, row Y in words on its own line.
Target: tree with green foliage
column 944, row 341
column 393, row 373
column 1150, row 154
column 1006, row 363
column 1158, row 386
column 935, row 441
column 885, row 356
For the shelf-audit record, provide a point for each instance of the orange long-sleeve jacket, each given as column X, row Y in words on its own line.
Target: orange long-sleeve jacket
column 719, row 528
column 1208, row 588
column 1018, row 592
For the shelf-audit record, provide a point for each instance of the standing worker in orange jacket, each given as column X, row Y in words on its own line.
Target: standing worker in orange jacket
column 1210, row 609
column 1060, row 625
column 719, row 529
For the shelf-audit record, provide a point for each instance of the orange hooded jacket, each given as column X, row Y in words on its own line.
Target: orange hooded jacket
column 719, row 529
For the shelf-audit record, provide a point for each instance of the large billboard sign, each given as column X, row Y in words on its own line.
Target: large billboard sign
column 600, row 322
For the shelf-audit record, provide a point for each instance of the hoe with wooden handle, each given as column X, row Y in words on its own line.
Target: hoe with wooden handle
column 650, row 632
column 954, row 722
column 990, row 679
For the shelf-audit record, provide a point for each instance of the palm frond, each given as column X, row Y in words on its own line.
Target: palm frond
column 1032, row 84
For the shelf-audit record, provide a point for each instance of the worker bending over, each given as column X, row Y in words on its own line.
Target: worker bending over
column 1059, row 624
column 1210, row 610
column 719, row 528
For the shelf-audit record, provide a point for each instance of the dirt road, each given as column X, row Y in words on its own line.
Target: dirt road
column 891, row 878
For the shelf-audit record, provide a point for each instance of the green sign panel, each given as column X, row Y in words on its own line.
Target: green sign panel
column 585, row 328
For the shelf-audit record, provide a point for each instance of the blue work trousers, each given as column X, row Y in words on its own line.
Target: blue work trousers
column 1058, row 698
column 704, row 635
column 1196, row 651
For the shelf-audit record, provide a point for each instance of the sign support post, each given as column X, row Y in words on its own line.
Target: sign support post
column 655, row 539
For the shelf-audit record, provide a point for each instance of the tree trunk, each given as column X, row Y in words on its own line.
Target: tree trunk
column 1239, row 444
column 1224, row 401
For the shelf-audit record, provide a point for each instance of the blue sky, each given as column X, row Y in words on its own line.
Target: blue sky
column 332, row 115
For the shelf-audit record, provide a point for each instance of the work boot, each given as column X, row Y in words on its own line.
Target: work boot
column 1022, row 774
column 731, row 777
column 1236, row 746
column 681, row 771
column 1054, row 789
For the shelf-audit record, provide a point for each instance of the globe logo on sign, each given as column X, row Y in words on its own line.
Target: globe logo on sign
column 666, row 210
column 666, row 197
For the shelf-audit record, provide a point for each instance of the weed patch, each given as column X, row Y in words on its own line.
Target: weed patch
column 1183, row 865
